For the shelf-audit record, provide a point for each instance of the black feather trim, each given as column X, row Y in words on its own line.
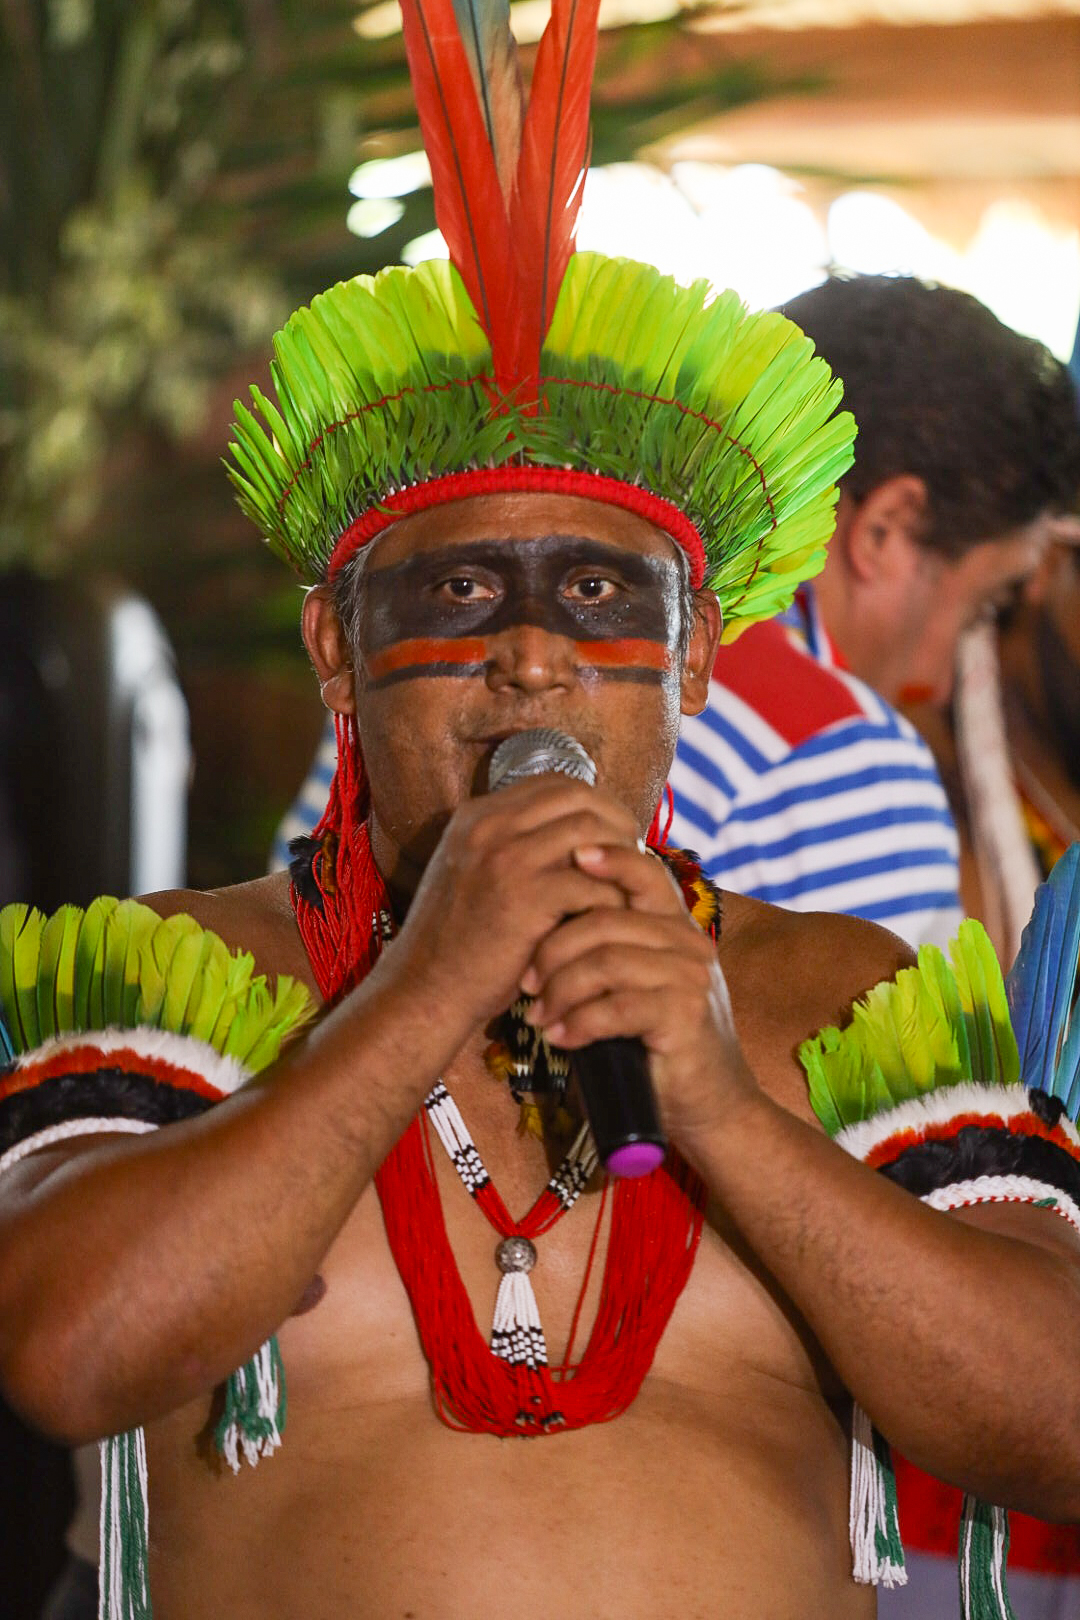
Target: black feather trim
column 1046, row 1108
column 104, row 1094
column 983, row 1150
column 302, row 870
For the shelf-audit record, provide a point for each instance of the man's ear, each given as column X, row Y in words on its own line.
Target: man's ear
column 328, row 650
column 884, row 529
column 701, row 653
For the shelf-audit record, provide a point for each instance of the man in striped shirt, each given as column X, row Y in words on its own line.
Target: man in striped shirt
column 801, row 784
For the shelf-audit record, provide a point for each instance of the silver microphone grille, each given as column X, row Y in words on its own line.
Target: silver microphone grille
column 536, row 753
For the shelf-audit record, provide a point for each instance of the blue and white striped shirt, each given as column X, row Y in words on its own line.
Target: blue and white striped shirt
column 799, row 785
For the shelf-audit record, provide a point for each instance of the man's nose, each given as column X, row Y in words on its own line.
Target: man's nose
column 530, row 658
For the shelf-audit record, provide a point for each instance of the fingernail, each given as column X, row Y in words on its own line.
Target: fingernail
column 590, row 855
column 535, row 1013
column 555, row 1032
column 530, row 981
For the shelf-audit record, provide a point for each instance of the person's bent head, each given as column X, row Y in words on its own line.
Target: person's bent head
column 968, row 447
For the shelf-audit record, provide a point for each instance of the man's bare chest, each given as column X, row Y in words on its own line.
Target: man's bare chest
column 359, row 1325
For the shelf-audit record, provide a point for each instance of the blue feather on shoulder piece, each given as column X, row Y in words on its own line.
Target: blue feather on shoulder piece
column 7, row 1050
column 1042, row 987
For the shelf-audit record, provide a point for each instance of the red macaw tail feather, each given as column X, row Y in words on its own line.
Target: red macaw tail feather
column 469, row 204
column 551, row 167
column 492, row 51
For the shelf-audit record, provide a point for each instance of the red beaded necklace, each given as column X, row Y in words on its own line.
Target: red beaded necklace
column 504, row 1387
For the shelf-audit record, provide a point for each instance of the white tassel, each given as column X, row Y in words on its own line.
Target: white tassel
column 869, row 1511
column 516, row 1333
column 123, row 1578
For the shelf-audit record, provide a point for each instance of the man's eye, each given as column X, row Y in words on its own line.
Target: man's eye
column 593, row 588
column 461, row 588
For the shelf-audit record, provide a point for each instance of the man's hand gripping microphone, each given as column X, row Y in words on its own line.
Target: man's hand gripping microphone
column 612, row 1075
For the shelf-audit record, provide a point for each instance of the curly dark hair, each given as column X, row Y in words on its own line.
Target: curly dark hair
column 940, row 388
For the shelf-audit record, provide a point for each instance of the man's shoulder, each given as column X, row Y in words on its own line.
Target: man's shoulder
column 793, row 973
column 769, row 673
column 256, row 916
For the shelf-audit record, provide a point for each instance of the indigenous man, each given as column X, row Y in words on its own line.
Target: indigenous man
column 492, row 506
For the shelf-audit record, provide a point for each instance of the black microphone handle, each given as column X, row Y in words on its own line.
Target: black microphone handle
column 613, row 1075
column 616, row 1089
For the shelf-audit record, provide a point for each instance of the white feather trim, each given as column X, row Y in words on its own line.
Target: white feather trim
column 938, row 1108
column 68, row 1129
column 183, row 1052
column 1004, row 1190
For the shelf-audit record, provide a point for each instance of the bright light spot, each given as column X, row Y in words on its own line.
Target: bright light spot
column 760, row 234
column 633, row 211
column 751, row 228
column 746, row 227
column 1028, row 273
column 432, row 245
column 528, row 18
column 875, row 236
column 1019, row 266
column 373, row 215
column 391, row 177
column 378, row 22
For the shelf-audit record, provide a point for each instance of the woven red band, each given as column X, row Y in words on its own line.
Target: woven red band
column 532, row 480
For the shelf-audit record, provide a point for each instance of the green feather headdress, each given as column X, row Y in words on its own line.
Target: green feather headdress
column 521, row 355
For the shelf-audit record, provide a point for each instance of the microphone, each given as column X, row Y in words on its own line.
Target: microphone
column 613, row 1074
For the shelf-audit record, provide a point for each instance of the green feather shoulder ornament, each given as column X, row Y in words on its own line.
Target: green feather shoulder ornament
column 115, row 1020
column 926, row 1085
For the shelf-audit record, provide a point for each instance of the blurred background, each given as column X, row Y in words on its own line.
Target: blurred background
column 176, row 176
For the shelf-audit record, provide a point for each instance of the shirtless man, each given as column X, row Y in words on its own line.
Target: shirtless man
column 170, row 1257
column 503, row 537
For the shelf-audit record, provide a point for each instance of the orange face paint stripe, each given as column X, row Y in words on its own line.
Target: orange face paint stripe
column 630, row 652
column 427, row 650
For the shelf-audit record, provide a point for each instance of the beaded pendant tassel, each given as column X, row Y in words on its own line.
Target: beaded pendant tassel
column 517, row 1335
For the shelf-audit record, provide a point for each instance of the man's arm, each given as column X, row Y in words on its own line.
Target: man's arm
column 957, row 1336
column 136, row 1274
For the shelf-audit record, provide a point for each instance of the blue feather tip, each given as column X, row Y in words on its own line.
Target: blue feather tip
column 1042, row 987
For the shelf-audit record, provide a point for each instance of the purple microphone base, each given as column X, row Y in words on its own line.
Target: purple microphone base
column 635, row 1159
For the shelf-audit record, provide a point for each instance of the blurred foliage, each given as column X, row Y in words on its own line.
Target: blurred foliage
column 173, row 180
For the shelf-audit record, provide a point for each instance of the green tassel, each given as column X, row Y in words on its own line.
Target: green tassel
column 887, row 1542
column 251, row 1424
column 984, row 1551
column 877, row 1553
column 255, row 1405
column 124, row 1584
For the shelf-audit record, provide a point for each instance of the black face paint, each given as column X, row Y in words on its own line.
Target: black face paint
column 435, row 614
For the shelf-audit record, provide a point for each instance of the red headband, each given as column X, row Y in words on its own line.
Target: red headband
column 532, row 480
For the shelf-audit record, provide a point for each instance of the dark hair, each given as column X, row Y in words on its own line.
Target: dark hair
column 940, row 388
